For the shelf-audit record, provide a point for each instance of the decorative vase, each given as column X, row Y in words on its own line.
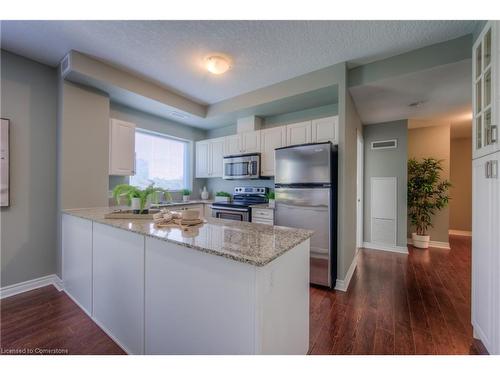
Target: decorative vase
column 272, row 203
column 204, row 193
column 421, row 242
column 185, row 198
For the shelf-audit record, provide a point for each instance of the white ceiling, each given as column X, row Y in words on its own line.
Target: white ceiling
column 446, row 93
column 264, row 52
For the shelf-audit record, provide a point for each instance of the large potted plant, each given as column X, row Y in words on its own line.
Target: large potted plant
column 138, row 199
column 427, row 194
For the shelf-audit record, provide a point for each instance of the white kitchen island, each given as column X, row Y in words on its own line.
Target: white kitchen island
column 225, row 287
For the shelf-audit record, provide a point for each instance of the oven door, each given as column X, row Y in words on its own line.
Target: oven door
column 238, row 214
column 242, row 167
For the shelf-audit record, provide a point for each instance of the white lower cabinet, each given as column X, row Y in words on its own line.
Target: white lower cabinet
column 118, row 282
column 263, row 216
column 77, row 260
column 485, row 251
column 178, row 282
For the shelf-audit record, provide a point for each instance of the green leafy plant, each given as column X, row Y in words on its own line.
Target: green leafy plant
column 270, row 195
column 427, row 193
column 186, row 192
column 128, row 192
column 222, row 194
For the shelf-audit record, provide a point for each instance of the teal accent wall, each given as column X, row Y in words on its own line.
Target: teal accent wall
column 420, row 59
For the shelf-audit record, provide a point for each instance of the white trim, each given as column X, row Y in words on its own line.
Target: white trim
column 383, row 247
column 456, row 232
column 26, row 286
column 436, row 244
column 343, row 285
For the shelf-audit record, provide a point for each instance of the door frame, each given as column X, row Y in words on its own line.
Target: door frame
column 360, row 152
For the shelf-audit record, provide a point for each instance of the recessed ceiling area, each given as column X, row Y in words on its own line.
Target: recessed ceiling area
column 443, row 94
column 171, row 53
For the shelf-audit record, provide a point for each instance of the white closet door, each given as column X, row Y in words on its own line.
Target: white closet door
column 383, row 210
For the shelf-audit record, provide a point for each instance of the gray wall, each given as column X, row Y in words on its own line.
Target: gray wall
column 386, row 163
column 218, row 184
column 28, row 226
column 160, row 125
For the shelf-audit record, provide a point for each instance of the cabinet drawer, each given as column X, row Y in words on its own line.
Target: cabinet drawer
column 262, row 221
column 263, row 213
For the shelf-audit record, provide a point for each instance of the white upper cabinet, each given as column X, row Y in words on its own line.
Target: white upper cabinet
column 209, row 155
column 250, row 142
column 121, row 148
column 242, row 143
column 202, row 155
column 216, row 156
column 233, row 145
column 210, row 152
column 298, row 133
column 270, row 139
column 485, row 66
column 325, row 129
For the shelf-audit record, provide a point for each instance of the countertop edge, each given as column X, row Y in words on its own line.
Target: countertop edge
column 246, row 260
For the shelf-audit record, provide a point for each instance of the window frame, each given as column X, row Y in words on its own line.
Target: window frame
column 188, row 156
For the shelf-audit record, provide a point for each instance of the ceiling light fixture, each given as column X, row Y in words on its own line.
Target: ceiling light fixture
column 217, row 64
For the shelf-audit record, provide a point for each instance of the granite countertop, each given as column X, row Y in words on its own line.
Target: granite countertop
column 255, row 244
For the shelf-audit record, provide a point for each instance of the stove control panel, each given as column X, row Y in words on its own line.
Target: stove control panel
column 250, row 190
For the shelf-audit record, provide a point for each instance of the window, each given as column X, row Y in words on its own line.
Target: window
column 162, row 160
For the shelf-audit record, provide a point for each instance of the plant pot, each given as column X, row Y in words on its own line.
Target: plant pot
column 185, row 198
column 421, row 242
column 135, row 205
column 272, row 203
column 222, row 199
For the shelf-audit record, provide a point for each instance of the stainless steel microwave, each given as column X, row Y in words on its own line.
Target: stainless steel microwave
column 241, row 167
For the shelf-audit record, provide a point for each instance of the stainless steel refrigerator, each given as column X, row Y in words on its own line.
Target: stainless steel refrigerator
column 306, row 197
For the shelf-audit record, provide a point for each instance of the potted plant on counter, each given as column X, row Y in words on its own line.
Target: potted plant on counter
column 186, row 193
column 222, row 196
column 271, row 199
column 427, row 195
column 138, row 199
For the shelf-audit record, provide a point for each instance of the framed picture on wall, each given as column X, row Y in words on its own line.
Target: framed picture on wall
column 4, row 164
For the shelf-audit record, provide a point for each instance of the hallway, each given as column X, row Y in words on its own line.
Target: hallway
column 399, row 304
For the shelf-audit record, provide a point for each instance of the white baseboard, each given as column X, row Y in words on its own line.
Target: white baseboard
column 436, row 244
column 343, row 285
column 377, row 246
column 456, row 232
column 26, row 286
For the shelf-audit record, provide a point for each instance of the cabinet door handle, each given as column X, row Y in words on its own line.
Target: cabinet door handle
column 494, row 169
column 493, row 134
column 487, row 169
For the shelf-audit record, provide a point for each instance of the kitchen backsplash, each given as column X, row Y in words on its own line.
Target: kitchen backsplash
column 218, row 184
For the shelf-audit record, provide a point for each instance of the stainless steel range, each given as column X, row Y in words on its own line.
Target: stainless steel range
column 239, row 209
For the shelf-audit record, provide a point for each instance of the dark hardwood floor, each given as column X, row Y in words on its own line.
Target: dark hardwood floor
column 45, row 319
column 396, row 304
column 399, row 304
